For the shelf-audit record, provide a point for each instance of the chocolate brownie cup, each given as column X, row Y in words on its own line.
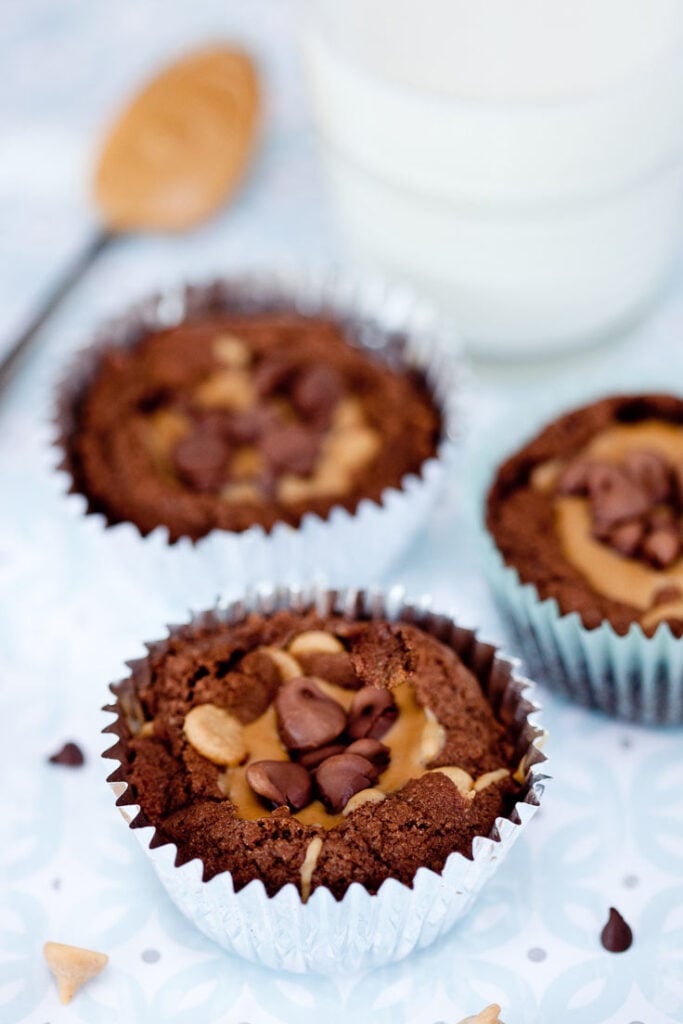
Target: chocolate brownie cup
column 591, row 513
column 312, row 749
column 241, row 416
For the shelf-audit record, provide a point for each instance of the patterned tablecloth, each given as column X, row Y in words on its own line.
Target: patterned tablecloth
column 611, row 832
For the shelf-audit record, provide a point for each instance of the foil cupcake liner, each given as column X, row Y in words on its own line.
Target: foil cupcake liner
column 633, row 677
column 361, row 930
column 341, row 548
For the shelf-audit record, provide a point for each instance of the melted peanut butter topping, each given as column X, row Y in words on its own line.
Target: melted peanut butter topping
column 621, row 579
column 182, row 145
column 413, row 740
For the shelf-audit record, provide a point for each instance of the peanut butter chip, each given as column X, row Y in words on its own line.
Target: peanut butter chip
column 242, row 492
column 309, row 865
column 288, row 666
column 182, row 146
column 489, row 778
column 327, row 481
column 226, row 389
column 232, row 351
column 491, row 1015
column 72, row 967
column 461, row 779
column 315, row 641
column 215, row 734
column 432, row 739
column 352, row 448
column 365, row 796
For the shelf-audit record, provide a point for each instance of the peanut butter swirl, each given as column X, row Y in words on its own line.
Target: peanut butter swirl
column 618, row 505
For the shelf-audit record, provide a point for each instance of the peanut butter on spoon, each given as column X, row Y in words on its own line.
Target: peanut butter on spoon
column 175, row 154
column 181, row 147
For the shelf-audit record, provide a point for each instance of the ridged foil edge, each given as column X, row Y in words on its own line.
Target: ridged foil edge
column 333, row 549
column 361, row 930
column 632, row 676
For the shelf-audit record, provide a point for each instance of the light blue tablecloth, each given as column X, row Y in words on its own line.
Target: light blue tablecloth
column 611, row 831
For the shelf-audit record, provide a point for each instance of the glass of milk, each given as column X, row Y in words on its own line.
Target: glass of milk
column 520, row 160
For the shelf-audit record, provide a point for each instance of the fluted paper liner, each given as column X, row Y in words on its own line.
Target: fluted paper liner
column 361, row 930
column 341, row 548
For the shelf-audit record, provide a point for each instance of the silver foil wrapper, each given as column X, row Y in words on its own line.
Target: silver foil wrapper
column 361, row 930
column 341, row 548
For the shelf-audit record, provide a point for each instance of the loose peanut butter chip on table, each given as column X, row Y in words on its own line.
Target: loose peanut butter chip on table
column 72, row 967
column 490, row 1015
column 182, row 146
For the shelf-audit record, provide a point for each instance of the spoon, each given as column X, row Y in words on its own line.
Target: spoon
column 173, row 156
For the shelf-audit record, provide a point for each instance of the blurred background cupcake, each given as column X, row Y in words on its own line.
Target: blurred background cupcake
column 261, row 427
column 585, row 546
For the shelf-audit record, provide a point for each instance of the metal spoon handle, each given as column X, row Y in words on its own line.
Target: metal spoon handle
column 60, row 289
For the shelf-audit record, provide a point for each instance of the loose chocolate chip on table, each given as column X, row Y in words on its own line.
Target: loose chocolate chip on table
column 70, row 756
column 307, row 718
column 616, row 936
column 280, row 783
column 292, row 448
column 372, row 713
column 338, row 778
column 201, row 459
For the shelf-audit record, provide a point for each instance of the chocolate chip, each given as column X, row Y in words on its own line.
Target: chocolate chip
column 336, row 668
column 201, row 458
column 661, row 517
column 272, row 372
column 372, row 750
column 626, row 537
column 650, row 472
column 307, row 718
column 247, row 426
column 372, row 713
column 338, row 778
column 667, row 594
column 677, row 470
column 616, row 936
column 312, row 758
column 662, row 547
column 573, row 480
column 316, row 391
column 281, row 782
column 615, row 498
column 70, row 756
column 292, row 448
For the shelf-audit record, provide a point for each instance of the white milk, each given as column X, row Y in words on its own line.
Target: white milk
column 519, row 159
